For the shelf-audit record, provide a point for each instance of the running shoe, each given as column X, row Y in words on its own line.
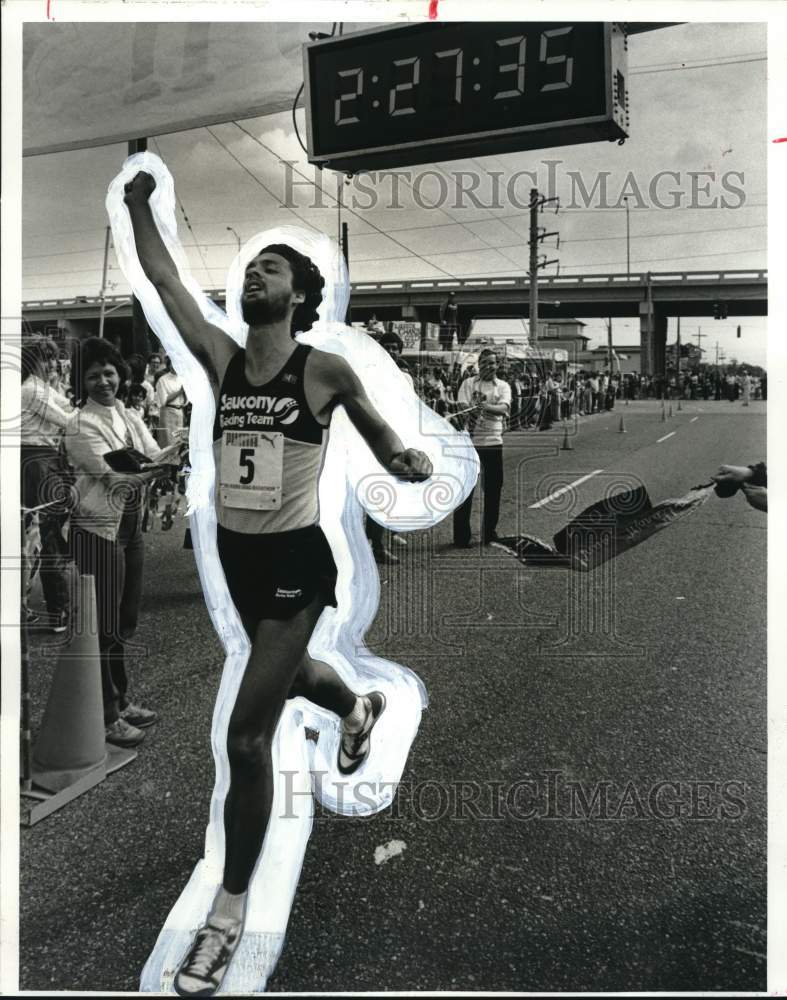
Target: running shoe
column 354, row 746
column 120, row 734
column 202, row 970
column 136, row 715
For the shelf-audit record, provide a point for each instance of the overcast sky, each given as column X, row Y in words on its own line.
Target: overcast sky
column 698, row 95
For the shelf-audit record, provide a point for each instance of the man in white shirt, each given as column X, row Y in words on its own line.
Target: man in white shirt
column 595, row 389
column 171, row 400
column 746, row 385
column 490, row 398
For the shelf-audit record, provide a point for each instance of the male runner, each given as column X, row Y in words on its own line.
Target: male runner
column 274, row 401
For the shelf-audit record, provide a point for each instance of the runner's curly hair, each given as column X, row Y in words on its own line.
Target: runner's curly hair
column 306, row 278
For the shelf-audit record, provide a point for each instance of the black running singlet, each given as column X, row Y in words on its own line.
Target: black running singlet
column 277, row 405
column 268, row 449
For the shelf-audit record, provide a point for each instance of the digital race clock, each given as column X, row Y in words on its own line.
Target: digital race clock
column 391, row 97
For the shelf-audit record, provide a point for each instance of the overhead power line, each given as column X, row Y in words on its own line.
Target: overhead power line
column 346, row 208
column 698, row 65
column 683, row 62
column 256, row 179
column 185, row 216
column 507, row 246
column 659, row 260
column 650, row 236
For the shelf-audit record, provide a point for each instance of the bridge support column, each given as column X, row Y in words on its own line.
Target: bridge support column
column 653, row 339
column 660, row 344
column 646, row 337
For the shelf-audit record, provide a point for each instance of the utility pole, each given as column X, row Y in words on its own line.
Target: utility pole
column 534, row 266
column 104, row 284
column 609, row 345
column 700, row 337
column 346, row 253
column 140, row 343
column 346, row 246
column 677, row 348
column 628, row 240
column 536, row 203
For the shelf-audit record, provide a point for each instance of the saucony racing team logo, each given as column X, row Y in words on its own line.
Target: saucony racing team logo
column 250, row 411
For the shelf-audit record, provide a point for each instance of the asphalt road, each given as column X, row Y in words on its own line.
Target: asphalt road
column 642, row 683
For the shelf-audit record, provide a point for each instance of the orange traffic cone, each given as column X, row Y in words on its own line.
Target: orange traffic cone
column 71, row 741
column 622, row 428
column 567, row 445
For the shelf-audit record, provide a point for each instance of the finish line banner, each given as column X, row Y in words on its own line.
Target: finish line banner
column 92, row 84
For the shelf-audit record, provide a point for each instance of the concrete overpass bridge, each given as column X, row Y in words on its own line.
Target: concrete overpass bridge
column 651, row 296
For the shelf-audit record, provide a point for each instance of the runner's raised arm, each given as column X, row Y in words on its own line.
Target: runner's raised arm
column 209, row 344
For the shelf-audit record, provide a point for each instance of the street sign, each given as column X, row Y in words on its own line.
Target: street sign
column 392, row 97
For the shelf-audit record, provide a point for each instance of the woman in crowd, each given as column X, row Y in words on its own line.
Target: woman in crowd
column 554, row 395
column 569, row 399
column 106, row 538
column 137, row 368
column 44, row 416
column 610, row 392
column 136, row 400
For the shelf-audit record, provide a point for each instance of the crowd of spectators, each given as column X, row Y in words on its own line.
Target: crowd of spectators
column 542, row 394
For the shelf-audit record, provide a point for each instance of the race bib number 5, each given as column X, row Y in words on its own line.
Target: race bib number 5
column 250, row 475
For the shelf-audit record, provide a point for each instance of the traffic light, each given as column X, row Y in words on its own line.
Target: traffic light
column 719, row 310
column 738, row 332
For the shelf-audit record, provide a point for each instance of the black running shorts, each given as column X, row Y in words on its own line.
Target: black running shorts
column 277, row 575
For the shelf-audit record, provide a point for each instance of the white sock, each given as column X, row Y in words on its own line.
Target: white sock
column 229, row 905
column 355, row 719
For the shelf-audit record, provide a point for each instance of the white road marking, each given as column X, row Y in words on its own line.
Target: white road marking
column 693, row 419
column 666, row 436
column 565, row 489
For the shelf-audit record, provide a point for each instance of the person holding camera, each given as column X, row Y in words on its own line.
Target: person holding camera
column 488, row 398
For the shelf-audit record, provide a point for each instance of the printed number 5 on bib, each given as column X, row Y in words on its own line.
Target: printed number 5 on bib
column 251, row 469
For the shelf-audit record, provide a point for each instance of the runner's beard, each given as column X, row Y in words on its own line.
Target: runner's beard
column 262, row 312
